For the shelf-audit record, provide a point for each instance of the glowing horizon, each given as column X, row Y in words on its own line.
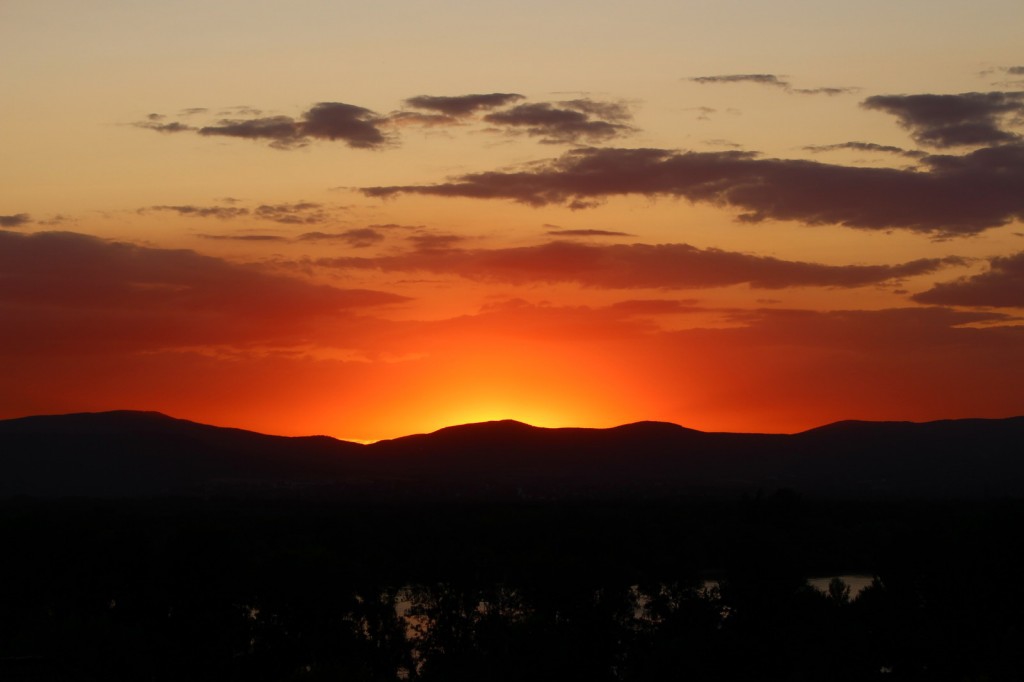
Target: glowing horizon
column 370, row 223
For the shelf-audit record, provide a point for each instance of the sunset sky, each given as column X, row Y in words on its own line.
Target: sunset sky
column 369, row 219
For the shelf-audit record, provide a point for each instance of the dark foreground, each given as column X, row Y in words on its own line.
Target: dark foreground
column 191, row 589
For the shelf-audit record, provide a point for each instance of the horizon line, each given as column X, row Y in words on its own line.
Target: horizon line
column 508, row 420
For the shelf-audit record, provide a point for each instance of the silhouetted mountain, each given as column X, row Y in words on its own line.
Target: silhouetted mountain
column 144, row 453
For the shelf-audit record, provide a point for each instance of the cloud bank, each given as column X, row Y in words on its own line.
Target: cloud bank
column 570, row 121
column 77, row 293
column 1001, row 286
column 955, row 195
column 357, row 127
column 15, row 220
column 972, row 118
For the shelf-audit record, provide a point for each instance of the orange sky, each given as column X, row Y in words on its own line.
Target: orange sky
column 369, row 220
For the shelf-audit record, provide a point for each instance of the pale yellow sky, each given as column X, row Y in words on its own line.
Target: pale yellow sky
column 76, row 73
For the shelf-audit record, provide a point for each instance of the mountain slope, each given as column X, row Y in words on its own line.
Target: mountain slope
column 147, row 453
column 144, row 453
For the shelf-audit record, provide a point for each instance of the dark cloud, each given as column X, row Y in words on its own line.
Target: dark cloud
column 609, row 111
column 462, row 105
column 719, row 142
column 971, row 118
column 426, row 120
column 565, row 122
column 361, row 128
column 244, row 237
column 161, row 127
column 241, row 110
column 172, row 127
column 357, row 126
column 830, row 91
column 298, row 213
column 1014, row 72
column 772, row 81
column 866, row 147
column 221, row 212
column 587, row 233
column 52, row 220
column 957, row 195
column 357, row 237
column 1001, row 286
column 320, row 236
column 655, row 307
column 283, row 131
column 83, row 294
column 429, row 242
column 15, row 220
column 759, row 78
column 638, row 266
column 394, row 226
column 362, row 237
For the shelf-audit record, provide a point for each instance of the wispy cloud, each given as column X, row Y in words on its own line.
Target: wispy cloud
column 15, row 220
column 758, row 78
column 244, row 237
column 771, row 80
column 297, row 213
column 431, row 242
column 360, row 237
column 586, row 233
column 160, row 124
column 636, row 266
column 866, row 147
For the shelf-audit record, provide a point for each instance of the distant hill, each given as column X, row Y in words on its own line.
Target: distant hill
column 142, row 454
column 128, row 453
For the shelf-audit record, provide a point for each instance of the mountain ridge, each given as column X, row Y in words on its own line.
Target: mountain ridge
column 139, row 453
column 157, row 417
